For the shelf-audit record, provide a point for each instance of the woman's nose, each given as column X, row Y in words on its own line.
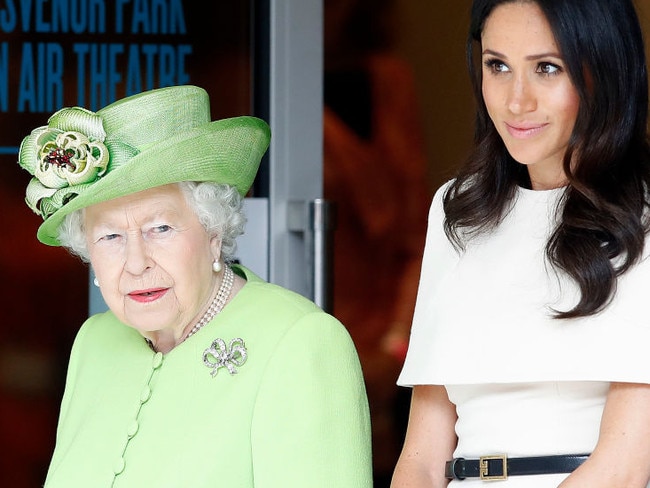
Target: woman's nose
column 137, row 259
column 521, row 96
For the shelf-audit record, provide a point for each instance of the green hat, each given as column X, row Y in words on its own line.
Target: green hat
column 146, row 140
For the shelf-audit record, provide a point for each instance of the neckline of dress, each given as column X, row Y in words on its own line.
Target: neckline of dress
column 540, row 195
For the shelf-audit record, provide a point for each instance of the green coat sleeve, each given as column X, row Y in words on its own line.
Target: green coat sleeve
column 311, row 424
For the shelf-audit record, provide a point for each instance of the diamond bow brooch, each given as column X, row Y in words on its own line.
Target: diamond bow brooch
column 222, row 355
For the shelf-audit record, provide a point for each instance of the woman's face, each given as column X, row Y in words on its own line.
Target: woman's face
column 152, row 258
column 527, row 91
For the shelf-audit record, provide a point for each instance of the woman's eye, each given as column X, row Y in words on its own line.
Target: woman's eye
column 156, row 231
column 109, row 237
column 496, row 66
column 160, row 229
column 548, row 68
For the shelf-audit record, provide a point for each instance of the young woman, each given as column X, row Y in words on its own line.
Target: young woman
column 528, row 352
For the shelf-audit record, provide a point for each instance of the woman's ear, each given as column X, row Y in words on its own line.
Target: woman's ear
column 215, row 247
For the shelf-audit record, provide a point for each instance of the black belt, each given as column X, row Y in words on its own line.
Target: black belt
column 500, row 467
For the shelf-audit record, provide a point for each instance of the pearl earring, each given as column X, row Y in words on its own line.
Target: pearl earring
column 216, row 266
column 96, row 282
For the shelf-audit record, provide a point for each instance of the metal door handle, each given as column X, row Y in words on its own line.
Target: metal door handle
column 316, row 219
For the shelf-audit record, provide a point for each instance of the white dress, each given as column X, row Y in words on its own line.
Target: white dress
column 524, row 383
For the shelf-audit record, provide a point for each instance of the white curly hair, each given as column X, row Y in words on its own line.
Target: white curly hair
column 218, row 207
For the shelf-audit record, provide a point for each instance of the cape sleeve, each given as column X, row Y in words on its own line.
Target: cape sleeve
column 486, row 318
column 439, row 258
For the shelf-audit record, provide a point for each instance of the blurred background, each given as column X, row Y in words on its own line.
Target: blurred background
column 397, row 120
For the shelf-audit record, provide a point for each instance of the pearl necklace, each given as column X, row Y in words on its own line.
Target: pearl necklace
column 219, row 301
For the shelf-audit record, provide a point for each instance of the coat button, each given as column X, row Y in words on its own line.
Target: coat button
column 132, row 429
column 119, row 466
column 146, row 394
column 157, row 360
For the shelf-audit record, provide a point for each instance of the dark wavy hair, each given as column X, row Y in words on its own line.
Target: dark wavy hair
column 602, row 225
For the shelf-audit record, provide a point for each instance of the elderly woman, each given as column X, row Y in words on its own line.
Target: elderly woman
column 200, row 374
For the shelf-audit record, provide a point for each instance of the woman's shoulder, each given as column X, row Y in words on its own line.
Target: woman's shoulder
column 104, row 329
column 278, row 306
column 265, row 294
column 275, row 320
column 436, row 208
column 444, row 187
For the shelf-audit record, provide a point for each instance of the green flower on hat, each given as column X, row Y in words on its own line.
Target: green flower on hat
column 70, row 159
column 154, row 138
column 64, row 157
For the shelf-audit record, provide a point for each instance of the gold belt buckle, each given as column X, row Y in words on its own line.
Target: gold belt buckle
column 484, row 471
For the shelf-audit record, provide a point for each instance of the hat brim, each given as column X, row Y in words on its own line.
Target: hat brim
column 231, row 153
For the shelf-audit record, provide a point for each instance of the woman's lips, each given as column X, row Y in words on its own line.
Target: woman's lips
column 525, row 130
column 145, row 296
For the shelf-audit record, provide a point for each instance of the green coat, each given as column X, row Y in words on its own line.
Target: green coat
column 294, row 415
